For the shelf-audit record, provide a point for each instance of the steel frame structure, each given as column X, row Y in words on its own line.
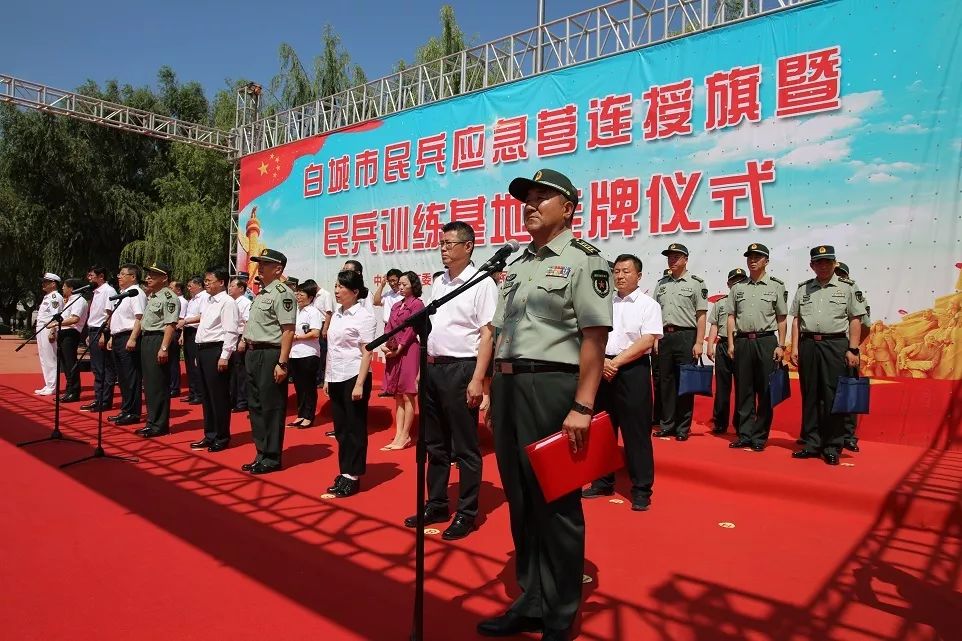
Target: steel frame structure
column 605, row 30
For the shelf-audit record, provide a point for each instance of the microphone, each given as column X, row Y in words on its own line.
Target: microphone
column 499, row 256
column 80, row 289
column 130, row 293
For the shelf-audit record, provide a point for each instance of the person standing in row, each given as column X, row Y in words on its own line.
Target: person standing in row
column 269, row 335
column 98, row 338
column 324, row 302
column 238, row 370
column 306, row 354
column 402, row 360
column 386, row 299
column 850, row 421
column 554, row 314
column 759, row 304
column 347, row 381
column 195, row 307
column 625, row 389
column 174, row 352
column 718, row 353
column 68, row 340
column 683, row 298
column 459, row 355
column 825, row 334
column 125, row 344
column 157, row 332
column 50, row 306
column 216, row 339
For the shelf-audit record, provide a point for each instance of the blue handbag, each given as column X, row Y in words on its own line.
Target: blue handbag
column 695, row 378
column 779, row 385
column 851, row 395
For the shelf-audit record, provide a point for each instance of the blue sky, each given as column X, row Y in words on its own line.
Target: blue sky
column 62, row 44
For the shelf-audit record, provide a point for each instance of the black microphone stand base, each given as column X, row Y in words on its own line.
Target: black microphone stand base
column 99, row 453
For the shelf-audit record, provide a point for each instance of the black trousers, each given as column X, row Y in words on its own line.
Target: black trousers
column 214, row 393
column 674, row 350
column 323, row 364
column 753, row 403
column 129, row 377
column 174, row 351
column 656, row 392
column 820, row 363
column 549, row 538
column 350, row 425
column 627, row 399
column 156, row 382
column 304, row 373
column 238, row 380
column 850, row 423
column 68, row 341
column 724, row 376
column 451, row 429
column 102, row 366
column 266, row 404
column 190, row 359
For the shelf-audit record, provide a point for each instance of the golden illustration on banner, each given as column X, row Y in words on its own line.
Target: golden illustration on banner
column 250, row 242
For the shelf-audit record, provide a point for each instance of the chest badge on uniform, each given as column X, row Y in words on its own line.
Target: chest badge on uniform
column 558, row 271
column 170, row 308
column 288, row 304
column 600, row 282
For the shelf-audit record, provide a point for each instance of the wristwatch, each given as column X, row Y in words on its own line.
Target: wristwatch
column 853, row 351
column 581, row 409
column 283, row 366
column 163, row 348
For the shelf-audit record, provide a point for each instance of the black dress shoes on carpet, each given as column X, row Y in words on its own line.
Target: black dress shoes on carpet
column 596, row 492
column 218, row 447
column 805, row 454
column 430, row 517
column 149, row 432
column 262, row 468
column 348, row 487
column 127, row 419
column 739, row 443
column 851, row 446
column 462, row 526
column 830, row 458
column 663, row 433
column 247, row 467
column 202, row 444
column 508, row 625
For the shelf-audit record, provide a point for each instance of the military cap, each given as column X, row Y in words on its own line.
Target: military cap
column 51, row 277
column 822, row 252
column 270, row 256
column 757, row 248
column 556, row 180
column 736, row 274
column 160, row 268
column 291, row 282
column 675, row 247
column 842, row 267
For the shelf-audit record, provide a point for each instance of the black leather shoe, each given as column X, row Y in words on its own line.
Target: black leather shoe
column 739, row 443
column 142, row 431
column 664, row 433
column 128, row 419
column 509, row 624
column 247, row 467
column 460, row 528
column 851, row 446
column 641, row 505
column 552, row 634
column 201, row 444
column 681, row 437
column 805, row 454
column 116, row 417
column 262, row 468
column 830, row 458
column 430, row 517
column 70, row 398
column 239, row 409
column 758, row 447
column 218, row 447
column 336, row 485
column 196, row 401
column 151, row 433
column 89, row 407
column 349, row 487
column 596, row 492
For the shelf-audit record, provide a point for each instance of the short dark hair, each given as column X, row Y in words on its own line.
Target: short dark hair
column 73, row 283
column 394, row 272
column 309, row 287
column 356, row 265
column 415, row 281
column 629, row 257
column 240, row 282
column 465, row 231
column 98, row 271
column 176, row 285
column 354, row 281
column 131, row 267
column 219, row 273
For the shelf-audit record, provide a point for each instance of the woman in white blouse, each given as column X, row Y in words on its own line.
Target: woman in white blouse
column 305, row 358
column 347, row 381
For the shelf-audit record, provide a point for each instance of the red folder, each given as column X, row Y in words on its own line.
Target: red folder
column 560, row 472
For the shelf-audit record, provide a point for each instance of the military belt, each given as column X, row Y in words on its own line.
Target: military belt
column 152, row 332
column 256, row 345
column 675, row 328
column 821, row 337
column 532, row 367
column 447, row 360
column 215, row 344
column 753, row 335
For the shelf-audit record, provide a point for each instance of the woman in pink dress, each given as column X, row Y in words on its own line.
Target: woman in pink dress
column 402, row 356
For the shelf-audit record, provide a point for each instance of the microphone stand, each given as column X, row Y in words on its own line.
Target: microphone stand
column 56, row 434
column 421, row 323
column 99, row 447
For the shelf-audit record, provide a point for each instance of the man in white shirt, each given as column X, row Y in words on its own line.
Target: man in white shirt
column 368, row 300
column 324, row 302
column 68, row 340
column 217, row 336
column 125, row 344
column 188, row 326
column 386, row 300
column 50, row 306
column 238, row 371
column 98, row 337
column 459, row 353
column 625, row 390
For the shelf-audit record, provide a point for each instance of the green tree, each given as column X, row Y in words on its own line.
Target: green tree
column 331, row 68
column 292, row 86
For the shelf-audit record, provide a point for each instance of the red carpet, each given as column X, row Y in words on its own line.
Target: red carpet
column 184, row 546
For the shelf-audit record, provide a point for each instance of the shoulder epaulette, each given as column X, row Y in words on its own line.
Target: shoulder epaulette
column 168, row 294
column 693, row 277
column 586, row 247
column 780, row 282
column 281, row 288
column 804, row 283
column 847, row 281
column 436, row 274
column 663, row 279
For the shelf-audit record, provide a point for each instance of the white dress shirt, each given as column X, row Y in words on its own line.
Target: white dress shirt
column 127, row 311
column 243, row 312
column 633, row 316
column 99, row 305
column 51, row 304
column 324, row 301
column 183, row 306
column 456, row 326
column 350, row 329
column 76, row 306
column 195, row 307
column 388, row 299
column 218, row 322
column 308, row 318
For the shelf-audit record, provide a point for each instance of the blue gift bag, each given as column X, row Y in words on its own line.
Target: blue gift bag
column 851, row 395
column 779, row 386
column 695, row 379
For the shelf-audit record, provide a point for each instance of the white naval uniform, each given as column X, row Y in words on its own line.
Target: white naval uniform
column 51, row 304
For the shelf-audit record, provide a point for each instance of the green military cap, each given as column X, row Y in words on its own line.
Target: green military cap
column 160, row 268
column 291, row 282
column 270, row 256
column 757, row 248
column 556, row 180
column 822, row 252
column 675, row 247
column 736, row 274
column 843, row 268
